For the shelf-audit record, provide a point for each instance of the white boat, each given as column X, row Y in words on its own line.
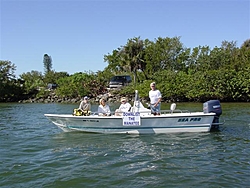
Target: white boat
column 140, row 120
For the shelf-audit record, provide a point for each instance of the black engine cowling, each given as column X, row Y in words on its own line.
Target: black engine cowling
column 213, row 106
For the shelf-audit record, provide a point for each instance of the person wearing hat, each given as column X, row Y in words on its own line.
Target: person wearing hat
column 103, row 108
column 85, row 106
column 124, row 107
column 155, row 99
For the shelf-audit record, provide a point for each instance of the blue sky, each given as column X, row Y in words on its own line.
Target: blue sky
column 78, row 33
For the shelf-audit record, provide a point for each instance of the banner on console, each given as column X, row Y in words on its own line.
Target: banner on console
column 131, row 119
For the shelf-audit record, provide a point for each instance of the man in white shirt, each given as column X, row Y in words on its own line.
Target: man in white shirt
column 155, row 99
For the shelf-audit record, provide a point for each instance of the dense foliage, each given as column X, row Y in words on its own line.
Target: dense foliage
column 181, row 74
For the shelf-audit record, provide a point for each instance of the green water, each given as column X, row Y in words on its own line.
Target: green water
column 35, row 153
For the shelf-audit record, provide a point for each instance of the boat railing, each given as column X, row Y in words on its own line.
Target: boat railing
column 112, row 113
column 168, row 111
column 174, row 111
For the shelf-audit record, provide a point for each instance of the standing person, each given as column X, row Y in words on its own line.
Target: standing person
column 155, row 99
column 85, row 106
column 124, row 107
column 103, row 108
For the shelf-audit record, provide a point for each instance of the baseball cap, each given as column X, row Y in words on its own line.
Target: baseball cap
column 152, row 84
column 123, row 99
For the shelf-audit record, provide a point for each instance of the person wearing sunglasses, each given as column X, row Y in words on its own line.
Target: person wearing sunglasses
column 85, row 105
column 103, row 108
column 124, row 107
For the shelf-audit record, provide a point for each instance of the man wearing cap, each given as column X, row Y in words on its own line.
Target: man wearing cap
column 124, row 107
column 155, row 99
column 85, row 105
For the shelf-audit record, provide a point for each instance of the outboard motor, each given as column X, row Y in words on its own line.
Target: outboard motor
column 215, row 107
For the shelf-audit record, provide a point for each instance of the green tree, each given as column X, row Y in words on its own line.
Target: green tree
column 132, row 55
column 165, row 53
column 10, row 88
column 53, row 77
column 47, row 62
column 7, row 70
column 32, row 81
column 128, row 58
column 243, row 55
column 74, row 85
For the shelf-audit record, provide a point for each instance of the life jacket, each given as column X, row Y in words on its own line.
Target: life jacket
column 78, row 112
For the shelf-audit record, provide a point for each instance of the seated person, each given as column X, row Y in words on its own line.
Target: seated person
column 124, row 107
column 103, row 108
column 85, row 106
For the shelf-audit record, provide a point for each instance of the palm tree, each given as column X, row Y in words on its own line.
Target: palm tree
column 133, row 56
column 47, row 62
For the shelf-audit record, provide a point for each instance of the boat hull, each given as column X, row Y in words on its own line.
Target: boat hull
column 149, row 124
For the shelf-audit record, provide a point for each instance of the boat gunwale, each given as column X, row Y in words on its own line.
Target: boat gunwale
column 148, row 116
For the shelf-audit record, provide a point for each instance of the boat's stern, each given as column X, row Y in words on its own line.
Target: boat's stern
column 215, row 107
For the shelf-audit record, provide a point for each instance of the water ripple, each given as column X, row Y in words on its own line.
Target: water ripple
column 34, row 153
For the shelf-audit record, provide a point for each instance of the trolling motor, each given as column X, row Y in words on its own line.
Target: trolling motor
column 215, row 107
